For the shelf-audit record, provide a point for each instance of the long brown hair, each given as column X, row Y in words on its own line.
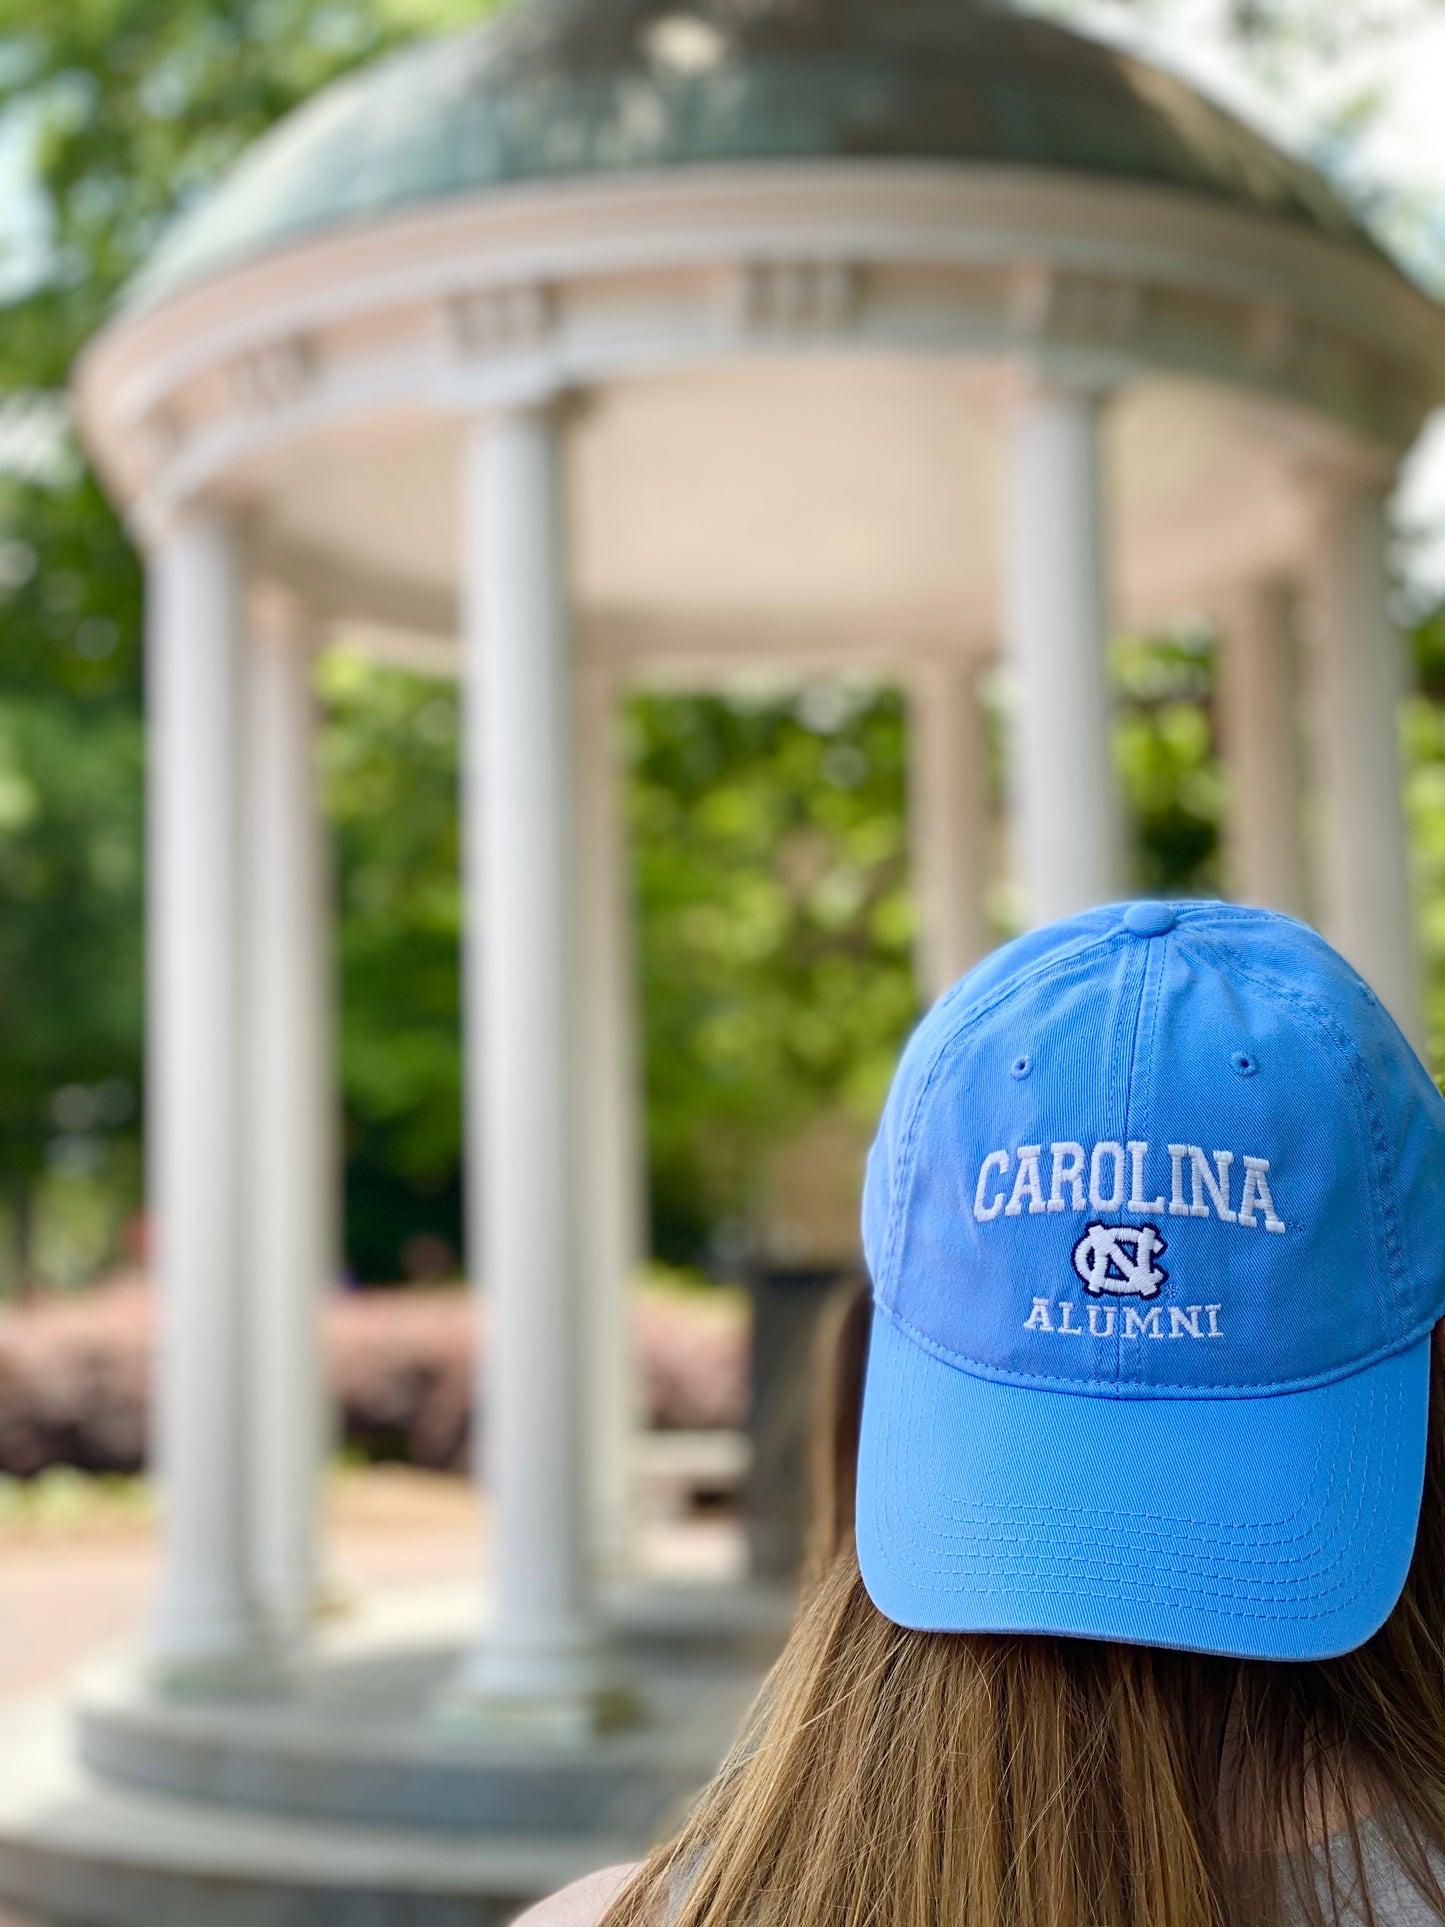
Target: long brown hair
column 889, row 1778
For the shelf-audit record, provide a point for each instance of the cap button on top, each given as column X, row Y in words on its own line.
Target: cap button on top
column 1150, row 919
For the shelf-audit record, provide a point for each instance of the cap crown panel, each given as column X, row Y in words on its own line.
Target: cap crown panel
column 1163, row 1161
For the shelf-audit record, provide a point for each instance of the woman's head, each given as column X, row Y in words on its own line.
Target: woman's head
column 1133, row 1629
column 1155, row 1222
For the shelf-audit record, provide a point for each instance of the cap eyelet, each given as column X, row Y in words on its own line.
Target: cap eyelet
column 1021, row 1066
column 1243, row 1065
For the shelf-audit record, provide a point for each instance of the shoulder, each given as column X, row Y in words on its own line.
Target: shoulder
column 1395, row 1900
column 582, row 1904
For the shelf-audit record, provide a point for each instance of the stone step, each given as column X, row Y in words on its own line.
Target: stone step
column 88, row 1854
column 387, row 1764
column 343, row 1803
column 357, row 1742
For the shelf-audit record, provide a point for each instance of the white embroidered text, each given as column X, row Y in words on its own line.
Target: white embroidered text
column 1032, row 1179
column 1069, row 1320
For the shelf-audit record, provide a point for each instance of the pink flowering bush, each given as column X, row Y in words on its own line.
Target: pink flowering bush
column 692, row 1351
column 74, row 1381
column 401, row 1371
column 75, row 1373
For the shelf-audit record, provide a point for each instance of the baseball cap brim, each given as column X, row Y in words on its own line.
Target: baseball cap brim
column 1279, row 1527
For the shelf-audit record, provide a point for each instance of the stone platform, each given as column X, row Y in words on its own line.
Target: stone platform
column 342, row 1805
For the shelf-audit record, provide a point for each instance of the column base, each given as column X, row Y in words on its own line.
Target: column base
column 292, row 1620
column 225, row 1655
column 562, row 1699
column 258, row 1675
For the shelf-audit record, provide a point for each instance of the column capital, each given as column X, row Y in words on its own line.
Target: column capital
column 560, row 404
column 1080, row 329
column 1061, row 379
column 159, row 518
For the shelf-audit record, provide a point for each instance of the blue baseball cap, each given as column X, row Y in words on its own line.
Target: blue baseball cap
column 1156, row 1226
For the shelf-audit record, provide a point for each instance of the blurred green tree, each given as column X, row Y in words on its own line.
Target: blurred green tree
column 775, row 923
column 1166, row 749
column 70, row 841
column 389, row 750
column 131, row 108
column 135, row 107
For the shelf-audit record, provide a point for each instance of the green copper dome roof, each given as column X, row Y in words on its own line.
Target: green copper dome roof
column 561, row 88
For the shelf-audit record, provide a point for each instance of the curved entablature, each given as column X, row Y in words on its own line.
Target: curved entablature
column 449, row 308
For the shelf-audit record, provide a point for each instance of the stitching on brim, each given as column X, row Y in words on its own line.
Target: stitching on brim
column 1105, row 1586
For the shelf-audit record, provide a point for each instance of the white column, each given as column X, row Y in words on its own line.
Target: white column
column 612, row 1170
column 1070, row 844
column 292, row 1204
column 1364, row 864
column 947, row 826
column 541, row 1664
column 1260, row 725
column 206, row 1635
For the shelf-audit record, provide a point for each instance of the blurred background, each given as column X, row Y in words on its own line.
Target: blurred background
column 769, row 863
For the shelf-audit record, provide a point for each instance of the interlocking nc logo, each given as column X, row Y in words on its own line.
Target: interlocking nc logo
column 1119, row 1259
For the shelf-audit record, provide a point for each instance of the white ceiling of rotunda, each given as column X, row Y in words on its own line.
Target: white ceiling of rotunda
column 742, row 506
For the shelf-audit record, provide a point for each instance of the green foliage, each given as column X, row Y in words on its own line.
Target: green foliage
column 71, row 771
column 775, row 930
column 1168, row 761
column 1428, row 640
column 135, row 107
column 62, row 1500
column 775, row 924
column 138, row 106
column 70, row 877
column 389, row 750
